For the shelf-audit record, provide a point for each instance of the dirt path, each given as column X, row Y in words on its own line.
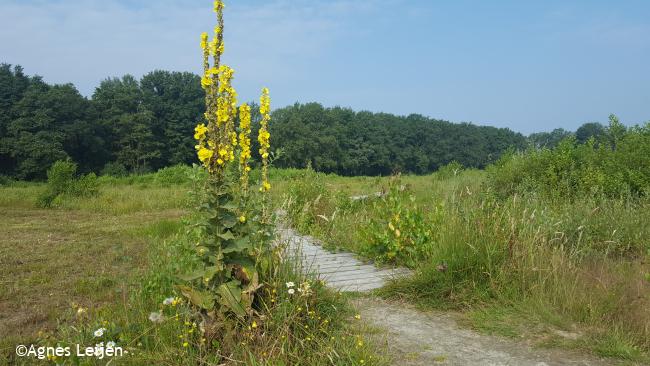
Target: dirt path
column 434, row 338
column 414, row 337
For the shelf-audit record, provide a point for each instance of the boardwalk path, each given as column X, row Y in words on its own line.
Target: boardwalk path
column 341, row 271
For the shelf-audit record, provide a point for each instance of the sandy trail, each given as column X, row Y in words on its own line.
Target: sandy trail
column 418, row 338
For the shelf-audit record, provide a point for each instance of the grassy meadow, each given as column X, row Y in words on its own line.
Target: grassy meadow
column 110, row 260
column 557, row 272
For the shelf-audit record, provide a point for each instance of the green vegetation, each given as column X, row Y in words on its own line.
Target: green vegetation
column 62, row 182
column 111, row 259
column 564, row 265
column 617, row 164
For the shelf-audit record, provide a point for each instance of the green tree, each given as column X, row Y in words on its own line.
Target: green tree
column 589, row 130
column 176, row 101
column 130, row 125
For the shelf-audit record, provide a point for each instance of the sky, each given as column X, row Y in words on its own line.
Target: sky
column 526, row 65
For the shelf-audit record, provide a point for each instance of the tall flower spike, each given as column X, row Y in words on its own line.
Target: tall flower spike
column 245, row 144
column 264, row 138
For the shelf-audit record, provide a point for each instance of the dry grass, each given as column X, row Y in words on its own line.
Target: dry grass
column 86, row 254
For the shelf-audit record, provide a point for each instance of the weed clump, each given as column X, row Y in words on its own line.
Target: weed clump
column 62, row 181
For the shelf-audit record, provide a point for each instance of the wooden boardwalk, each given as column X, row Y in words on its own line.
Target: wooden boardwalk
column 342, row 271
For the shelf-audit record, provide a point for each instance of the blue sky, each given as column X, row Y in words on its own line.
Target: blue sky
column 527, row 65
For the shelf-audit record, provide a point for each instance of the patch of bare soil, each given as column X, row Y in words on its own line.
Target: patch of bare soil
column 419, row 338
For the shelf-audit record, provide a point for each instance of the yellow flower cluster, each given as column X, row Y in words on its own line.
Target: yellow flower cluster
column 264, row 138
column 244, row 143
column 217, row 137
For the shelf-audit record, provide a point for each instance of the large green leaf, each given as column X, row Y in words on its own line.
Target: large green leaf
column 202, row 299
column 228, row 221
column 230, row 297
column 227, row 235
column 230, row 206
column 239, row 245
column 192, row 275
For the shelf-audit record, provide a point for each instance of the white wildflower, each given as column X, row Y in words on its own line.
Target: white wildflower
column 100, row 332
column 110, row 344
column 291, row 291
column 290, row 284
column 156, row 317
column 168, row 301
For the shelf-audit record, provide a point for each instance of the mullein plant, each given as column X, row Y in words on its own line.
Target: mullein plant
column 233, row 222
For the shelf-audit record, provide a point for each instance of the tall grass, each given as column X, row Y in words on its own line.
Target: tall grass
column 292, row 329
column 561, row 263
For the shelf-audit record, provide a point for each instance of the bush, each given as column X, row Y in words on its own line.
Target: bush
column 5, row 180
column 62, row 181
column 114, row 169
column 177, row 174
column 400, row 231
column 617, row 165
column 450, row 170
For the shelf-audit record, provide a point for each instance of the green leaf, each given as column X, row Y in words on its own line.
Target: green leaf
column 202, row 299
column 228, row 221
column 227, row 235
column 193, row 275
column 230, row 297
column 239, row 245
column 230, row 206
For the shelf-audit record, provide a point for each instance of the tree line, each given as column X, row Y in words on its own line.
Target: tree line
column 134, row 126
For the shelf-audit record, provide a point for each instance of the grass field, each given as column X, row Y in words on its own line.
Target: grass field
column 87, row 253
column 109, row 261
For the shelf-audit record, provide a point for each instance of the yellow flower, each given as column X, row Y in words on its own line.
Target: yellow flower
column 242, row 219
column 218, row 6
column 206, row 81
column 254, row 325
column 204, row 40
column 205, row 154
column 264, row 136
column 357, row 317
column 199, row 131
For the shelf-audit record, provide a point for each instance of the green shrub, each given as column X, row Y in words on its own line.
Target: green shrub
column 177, row 174
column 62, row 181
column 450, row 170
column 617, row 165
column 5, row 180
column 114, row 169
column 400, row 231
